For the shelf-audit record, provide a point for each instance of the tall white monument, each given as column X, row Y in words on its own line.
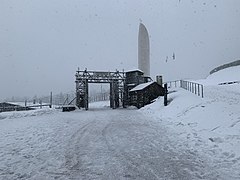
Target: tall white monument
column 143, row 50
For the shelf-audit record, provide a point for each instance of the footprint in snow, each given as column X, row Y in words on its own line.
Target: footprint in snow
column 216, row 140
column 233, row 124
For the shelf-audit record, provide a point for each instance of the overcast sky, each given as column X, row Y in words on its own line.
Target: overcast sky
column 42, row 42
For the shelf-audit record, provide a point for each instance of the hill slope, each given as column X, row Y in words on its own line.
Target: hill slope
column 210, row 125
column 231, row 74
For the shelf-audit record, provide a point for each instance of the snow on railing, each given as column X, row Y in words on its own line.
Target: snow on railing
column 192, row 87
column 171, row 84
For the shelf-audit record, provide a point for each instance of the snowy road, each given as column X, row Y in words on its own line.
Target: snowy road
column 94, row 144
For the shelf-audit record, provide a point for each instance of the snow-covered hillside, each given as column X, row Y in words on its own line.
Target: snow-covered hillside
column 210, row 125
column 231, row 74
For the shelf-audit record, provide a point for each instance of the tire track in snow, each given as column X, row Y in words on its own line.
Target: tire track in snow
column 87, row 156
column 72, row 155
column 122, row 144
column 141, row 172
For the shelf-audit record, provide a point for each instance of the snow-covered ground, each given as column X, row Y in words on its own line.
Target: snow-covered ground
column 191, row 138
column 210, row 125
column 230, row 74
column 27, row 104
column 97, row 144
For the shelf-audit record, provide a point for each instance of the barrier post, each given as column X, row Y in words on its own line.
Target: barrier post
column 165, row 94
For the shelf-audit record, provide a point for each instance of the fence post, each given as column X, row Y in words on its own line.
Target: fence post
column 198, row 90
column 50, row 100
column 195, row 88
column 165, row 94
column 40, row 104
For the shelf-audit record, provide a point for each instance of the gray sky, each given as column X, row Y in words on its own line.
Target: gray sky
column 42, row 42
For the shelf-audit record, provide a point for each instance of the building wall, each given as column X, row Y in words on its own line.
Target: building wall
column 146, row 96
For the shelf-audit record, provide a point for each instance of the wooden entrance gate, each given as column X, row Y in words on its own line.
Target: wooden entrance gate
column 115, row 79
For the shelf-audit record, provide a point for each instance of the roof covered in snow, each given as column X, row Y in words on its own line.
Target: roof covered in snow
column 133, row 70
column 141, row 86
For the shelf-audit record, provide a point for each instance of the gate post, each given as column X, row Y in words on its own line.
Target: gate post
column 111, row 95
column 86, row 95
column 116, row 93
column 78, row 103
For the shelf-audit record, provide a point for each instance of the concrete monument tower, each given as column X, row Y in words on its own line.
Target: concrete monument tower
column 143, row 50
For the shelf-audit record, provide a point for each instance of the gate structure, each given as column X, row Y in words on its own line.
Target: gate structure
column 115, row 79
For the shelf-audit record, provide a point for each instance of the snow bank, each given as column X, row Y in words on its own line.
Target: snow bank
column 100, row 104
column 230, row 74
column 211, row 125
column 28, row 104
column 20, row 114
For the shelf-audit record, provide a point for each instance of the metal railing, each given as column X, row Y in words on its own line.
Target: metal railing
column 171, row 84
column 192, row 87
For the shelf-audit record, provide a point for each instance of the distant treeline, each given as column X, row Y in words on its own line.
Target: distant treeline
column 60, row 98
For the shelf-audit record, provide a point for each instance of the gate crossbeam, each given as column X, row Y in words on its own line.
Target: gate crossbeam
column 116, row 80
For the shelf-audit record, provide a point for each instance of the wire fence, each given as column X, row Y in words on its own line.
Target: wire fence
column 24, row 103
column 100, row 97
